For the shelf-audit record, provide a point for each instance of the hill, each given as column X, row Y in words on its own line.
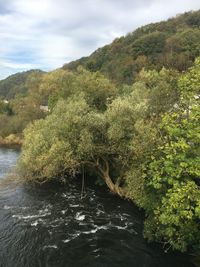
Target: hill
column 173, row 44
column 17, row 84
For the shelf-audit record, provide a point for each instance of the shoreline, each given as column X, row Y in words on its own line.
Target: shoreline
column 11, row 141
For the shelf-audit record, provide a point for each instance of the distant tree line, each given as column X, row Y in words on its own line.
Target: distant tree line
column 173, row 44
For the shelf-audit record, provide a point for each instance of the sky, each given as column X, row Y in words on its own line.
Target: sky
column 45, row 34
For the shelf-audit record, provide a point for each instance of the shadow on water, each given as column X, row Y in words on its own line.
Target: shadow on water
column 51, row 225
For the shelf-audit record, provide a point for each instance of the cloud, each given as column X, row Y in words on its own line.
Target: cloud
column 47, row 33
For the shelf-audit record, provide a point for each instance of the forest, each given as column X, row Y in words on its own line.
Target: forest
column 173, row 44
column 128, row 116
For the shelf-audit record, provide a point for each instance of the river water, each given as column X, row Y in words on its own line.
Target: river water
column 51, row 226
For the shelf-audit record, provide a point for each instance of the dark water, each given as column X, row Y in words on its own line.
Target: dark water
column 51, row 226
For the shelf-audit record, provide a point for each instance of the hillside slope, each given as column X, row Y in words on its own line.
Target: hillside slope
column 18, row 84
column 174, row 43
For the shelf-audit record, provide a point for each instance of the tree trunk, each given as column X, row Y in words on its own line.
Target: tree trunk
column 114, row 187
column 102, row 169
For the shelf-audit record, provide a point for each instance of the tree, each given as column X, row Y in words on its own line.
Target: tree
column 64, row 84
column 77, row 135
column 5, row 108
column 174, row 174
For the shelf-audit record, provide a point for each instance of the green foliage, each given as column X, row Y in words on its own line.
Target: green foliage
column 145, row 141
column 162, row 90
column 24, row 102
column 47, row 89
column 21, row 90
column 64, row 84
column 50, row 153
column 189, row 83
column 149, row 44
column 115, row 137
column 172, row 44
column 5, row 108
column 69, row 142
column 179, row 215
column 174, row 176
column 11, row 125
column 92, row 137
column 18, row 84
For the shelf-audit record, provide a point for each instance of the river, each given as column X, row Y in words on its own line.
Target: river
column 51, row 226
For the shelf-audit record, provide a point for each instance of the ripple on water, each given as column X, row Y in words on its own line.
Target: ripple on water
column 52, row 226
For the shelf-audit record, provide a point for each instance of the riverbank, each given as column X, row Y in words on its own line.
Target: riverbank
column 11, row 141
column 64, row 229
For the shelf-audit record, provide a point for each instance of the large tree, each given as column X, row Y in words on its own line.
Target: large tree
column 77, row 136
column 174, row 174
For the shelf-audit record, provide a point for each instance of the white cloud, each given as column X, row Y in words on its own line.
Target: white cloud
column 13, row 65
column 47, row 33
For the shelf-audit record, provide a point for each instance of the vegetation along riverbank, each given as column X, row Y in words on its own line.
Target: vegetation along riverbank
column 128, row 115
